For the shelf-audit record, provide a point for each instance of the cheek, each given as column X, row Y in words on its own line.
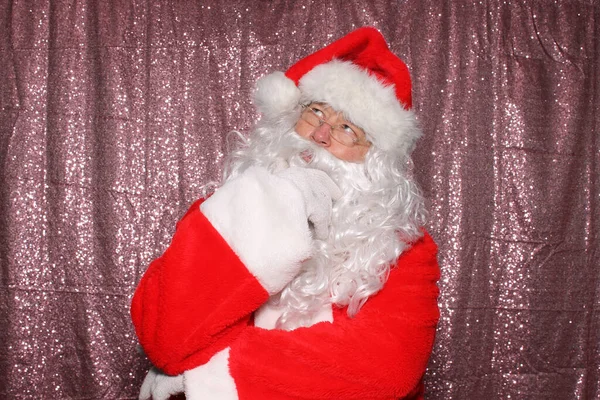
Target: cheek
column 351, row 154
column 303, row 129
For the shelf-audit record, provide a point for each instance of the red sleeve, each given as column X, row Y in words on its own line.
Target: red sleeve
column 195, row 299
column 381, row 353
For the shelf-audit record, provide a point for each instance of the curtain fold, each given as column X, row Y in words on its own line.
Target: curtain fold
column 114, row 114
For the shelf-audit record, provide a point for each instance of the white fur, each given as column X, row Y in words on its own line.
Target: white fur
column 158, row 386
column 365, row 101
column 380, row 211
column 211, row 381
column 267, row 316
column 263, row 218
column 275, row 94
column 362, row 98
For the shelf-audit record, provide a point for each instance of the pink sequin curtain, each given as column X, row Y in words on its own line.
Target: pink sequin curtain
column 113, row 114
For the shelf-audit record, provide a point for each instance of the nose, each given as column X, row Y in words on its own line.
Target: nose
column 322, row 134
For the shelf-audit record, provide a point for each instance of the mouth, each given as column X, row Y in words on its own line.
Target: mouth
column 307, row 156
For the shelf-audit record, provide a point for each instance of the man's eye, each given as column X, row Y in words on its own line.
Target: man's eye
column 349, row 131
column 318, row 112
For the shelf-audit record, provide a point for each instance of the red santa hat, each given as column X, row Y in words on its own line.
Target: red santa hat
column 358, row 75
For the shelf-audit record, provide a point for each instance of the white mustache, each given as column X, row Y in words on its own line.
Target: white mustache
column 296, row 151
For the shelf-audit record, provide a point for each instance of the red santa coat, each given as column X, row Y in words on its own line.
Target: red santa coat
column 198, row 299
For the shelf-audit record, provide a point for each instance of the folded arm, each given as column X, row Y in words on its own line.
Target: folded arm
column 192, row 312
column 228, row 255
column 195, row 299
column 381, row 353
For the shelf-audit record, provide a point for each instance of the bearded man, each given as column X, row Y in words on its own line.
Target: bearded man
column 307, row 274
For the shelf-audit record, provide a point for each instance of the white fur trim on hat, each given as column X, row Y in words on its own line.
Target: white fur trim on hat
column 365, row 101
column 275, row 94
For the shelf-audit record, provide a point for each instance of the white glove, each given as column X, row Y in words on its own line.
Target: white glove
column 264, row 219
column 158, row 386
column 211, row 380
column 319, row 192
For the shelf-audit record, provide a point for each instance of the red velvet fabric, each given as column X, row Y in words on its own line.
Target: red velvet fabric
column 379, row 354
column 365, row 47
column 185, row 308
column 198, row 299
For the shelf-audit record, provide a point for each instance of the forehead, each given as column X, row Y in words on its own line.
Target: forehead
column 325, row 106
column 330, row 110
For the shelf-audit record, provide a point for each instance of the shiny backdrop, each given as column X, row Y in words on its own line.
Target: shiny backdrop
column 113, row 114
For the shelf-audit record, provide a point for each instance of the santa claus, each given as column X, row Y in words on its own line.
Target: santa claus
column 307, row 274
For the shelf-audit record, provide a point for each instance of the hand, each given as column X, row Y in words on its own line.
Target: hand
column 319, row 192
column 158, row 386
column 264, row 218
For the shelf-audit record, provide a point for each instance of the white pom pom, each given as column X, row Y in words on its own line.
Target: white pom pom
column 275, row 94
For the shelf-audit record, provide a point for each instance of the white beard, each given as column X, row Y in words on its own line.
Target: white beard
column 367, row 233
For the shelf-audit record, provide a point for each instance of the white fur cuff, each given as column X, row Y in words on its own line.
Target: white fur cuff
column 211, row 380
column 263, row 218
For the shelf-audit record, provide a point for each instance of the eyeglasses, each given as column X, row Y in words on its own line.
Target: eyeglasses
column 314, row 115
